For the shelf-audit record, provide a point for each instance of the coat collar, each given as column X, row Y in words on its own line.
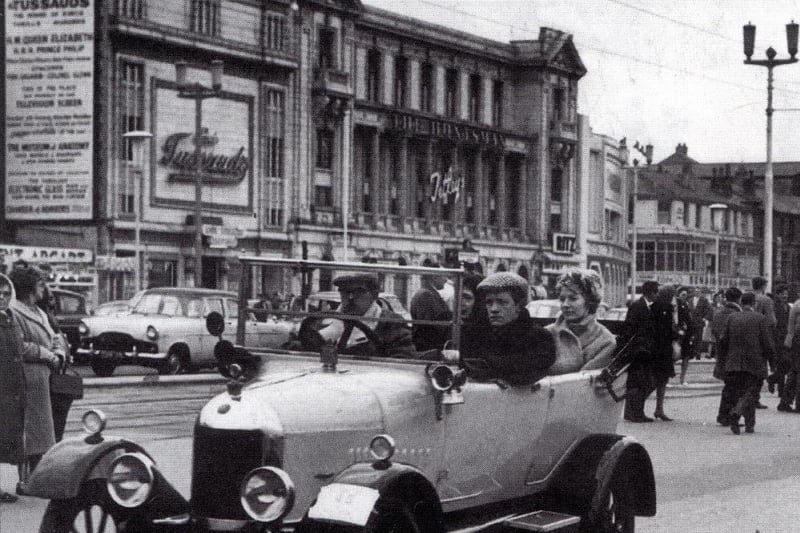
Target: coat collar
column 30, row 314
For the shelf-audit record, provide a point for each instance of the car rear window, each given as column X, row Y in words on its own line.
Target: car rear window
column 68, row 304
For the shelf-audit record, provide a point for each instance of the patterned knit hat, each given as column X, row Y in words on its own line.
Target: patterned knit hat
column 507, row 281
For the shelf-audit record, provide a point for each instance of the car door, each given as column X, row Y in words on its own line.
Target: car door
column 577, row 406
column 254, row 331
column 490, row 441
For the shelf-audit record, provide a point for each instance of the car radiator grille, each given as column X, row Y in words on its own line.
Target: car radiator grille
column 113, row 341
column 221, row 459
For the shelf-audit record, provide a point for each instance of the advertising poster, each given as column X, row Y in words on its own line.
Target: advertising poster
column 49, row 75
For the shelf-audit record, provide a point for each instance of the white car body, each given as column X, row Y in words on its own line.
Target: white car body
column 169, row 321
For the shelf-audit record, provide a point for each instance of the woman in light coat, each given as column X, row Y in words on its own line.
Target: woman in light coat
column 43, row 351
column 582, row 343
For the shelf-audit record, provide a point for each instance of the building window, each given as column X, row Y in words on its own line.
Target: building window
column 475, row 90
column 555, row 222
column 556, row 185
column 400, row 81
column 327, row 48
column 323, row 196
column 663, row 211
column 513, row 180
column 131, row 118
column 273, row 150
column 367, row 170
column 135, row 9
column 469, row 186
column 492, row 179
column 394, row 154
column 426, row 88
column 796, row 186
column 162, row 273
column 698, row 218
column 497, row 104
column 205, row 17
column 374, row 76
column 613, row 226
column 275, row 31
column 325, row 149
column 558, row 104
column 421, row 161
column 451, row 93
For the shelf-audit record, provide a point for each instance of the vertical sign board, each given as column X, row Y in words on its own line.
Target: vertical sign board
column 49, row 77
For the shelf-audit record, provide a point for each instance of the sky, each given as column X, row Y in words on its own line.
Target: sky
column 661, row 72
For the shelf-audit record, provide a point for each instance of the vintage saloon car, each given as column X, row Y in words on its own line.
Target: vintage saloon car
column 165, row 329
column 320, row 442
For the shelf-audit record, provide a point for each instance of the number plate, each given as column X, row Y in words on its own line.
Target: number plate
column 348, row 504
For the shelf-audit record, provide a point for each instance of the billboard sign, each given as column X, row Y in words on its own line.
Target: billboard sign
column 49, row 77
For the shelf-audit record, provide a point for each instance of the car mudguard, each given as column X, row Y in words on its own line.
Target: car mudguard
column 591, row 465
column 65, row 466
column 397, row 480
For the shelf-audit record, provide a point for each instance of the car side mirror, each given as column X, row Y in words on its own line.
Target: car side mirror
column 215, row 323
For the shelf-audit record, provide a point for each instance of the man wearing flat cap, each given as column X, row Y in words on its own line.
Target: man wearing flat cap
column 507, row 344
column 359, row 294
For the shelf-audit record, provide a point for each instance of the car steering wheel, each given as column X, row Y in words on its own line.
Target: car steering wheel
column 311, row 340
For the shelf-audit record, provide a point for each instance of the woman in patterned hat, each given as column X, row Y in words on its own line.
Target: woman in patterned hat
column 583, row 343
column 506, row 344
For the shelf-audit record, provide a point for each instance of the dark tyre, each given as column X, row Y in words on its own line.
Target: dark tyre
column 103, row 368
column 393, row 516
column 612, row 507
column 88, row 513
column 175, row 363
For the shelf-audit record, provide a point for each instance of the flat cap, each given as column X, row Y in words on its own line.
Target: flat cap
column 506, row 281
column 367, row 279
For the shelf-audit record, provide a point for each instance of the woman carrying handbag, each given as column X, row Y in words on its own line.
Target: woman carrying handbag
column 43, row 352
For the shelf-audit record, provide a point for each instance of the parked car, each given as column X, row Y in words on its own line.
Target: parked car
column 316, row 442
column 166, row 330
column 70, row 309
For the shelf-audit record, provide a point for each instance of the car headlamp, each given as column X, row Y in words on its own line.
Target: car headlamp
column 267, row 494
column 94, row 421
column 130, row 479
column 382, row 447
column 83, row 329
column 152, row 333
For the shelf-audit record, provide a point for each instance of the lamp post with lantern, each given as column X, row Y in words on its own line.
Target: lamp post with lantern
column 749, row 32
column 647, row 152
column 137, row 140
column 198, row 92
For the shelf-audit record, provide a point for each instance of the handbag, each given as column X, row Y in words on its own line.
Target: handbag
column 68, row 384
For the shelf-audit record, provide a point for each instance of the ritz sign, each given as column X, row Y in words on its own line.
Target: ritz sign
column 446, row 184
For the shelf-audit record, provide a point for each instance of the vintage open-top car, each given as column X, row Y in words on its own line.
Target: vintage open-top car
column 323, row 441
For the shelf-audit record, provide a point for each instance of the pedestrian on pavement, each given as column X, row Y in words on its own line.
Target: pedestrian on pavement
column 747, row 344
column 777, row 379
column 732, row 298
column 791, row 343
column 59, row 404
column 509, row 345
column 12, row 386
column 43, row 351
column 670, row 329
column 701, row 312
column 685, row 328
column 766, row 307
column 428, row 304
column 639, row 332
column 582, row 342
column 717, row 303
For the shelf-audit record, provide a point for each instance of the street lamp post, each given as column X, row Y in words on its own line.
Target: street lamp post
column 137, row 139
column 647, row 152
column 749, row 31
column 198, row 92
column 716, row 208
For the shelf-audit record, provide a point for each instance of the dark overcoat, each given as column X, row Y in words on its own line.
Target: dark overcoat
column 519, row 353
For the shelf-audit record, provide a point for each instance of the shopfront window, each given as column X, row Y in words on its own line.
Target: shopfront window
column 162, row 273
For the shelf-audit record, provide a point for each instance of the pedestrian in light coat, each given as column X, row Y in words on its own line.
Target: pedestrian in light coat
column 43, row 351
column 748, row 346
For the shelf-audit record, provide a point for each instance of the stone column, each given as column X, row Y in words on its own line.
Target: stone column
column 402, row 182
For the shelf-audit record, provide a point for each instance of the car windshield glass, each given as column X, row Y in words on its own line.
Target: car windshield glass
column 160, row 304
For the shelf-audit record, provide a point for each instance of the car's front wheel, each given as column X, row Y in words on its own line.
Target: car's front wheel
column 175, row 363
column 88, row 513
column 103, row 368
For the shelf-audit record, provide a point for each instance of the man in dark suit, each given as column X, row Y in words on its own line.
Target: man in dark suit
column 718, row 325
column 639, row 329
column 747, row 344
column 701, row 312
